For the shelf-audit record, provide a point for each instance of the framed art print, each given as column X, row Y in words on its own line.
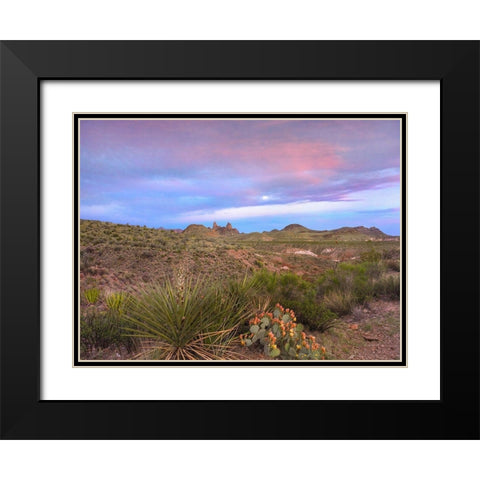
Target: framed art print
column 196, row 230
column 268, row 174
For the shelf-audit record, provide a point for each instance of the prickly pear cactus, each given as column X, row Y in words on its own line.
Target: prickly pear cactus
column 282, row 337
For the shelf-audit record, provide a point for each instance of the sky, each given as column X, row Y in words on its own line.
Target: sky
column 256, row 174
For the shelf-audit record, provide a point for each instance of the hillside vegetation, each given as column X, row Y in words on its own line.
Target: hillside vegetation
column 323, row 276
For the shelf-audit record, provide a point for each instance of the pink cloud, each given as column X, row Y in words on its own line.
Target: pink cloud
column 270, row 156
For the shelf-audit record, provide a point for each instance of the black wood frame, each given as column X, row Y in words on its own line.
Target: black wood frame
column 24, row 64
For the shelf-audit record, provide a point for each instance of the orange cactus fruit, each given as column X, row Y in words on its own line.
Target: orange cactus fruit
column 354, row 326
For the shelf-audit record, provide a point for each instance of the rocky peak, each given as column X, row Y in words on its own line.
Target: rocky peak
column 228, row 230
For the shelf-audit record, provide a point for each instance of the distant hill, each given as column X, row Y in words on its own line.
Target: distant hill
column 371, row 232
column 197, row 230
column 118, row 255
column 295, row 227
column 289, row 232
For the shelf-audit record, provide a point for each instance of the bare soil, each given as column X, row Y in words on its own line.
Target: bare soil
column 371, row 332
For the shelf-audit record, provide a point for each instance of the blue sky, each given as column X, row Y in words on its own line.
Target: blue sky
column 256, row 174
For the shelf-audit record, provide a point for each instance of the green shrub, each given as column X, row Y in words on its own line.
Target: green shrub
column 302, row 296
column 387, row 286
column 266, row 280
column 282, row 337
column 392, row 253
column 101, row 330
column 353, row 282
column 374, row 270
column 371, row 256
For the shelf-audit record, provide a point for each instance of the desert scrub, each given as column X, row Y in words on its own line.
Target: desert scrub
column 393, row 265
column 86, row 258
column 282, row 337
column 100, row 330
column 355, row 284
column 339, row 302
column 371, row 255
column 301, row 295
column 387, row 286
column 187, row 320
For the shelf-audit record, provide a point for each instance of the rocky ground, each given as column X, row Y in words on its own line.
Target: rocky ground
column 371, row 332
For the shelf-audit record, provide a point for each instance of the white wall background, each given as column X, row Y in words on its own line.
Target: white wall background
column 248, row 19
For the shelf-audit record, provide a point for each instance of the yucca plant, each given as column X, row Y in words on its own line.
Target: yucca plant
column 185, row 321
column 116, row 301
column 91, row 295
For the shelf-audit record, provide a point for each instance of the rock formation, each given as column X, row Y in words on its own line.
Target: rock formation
column 228, row 230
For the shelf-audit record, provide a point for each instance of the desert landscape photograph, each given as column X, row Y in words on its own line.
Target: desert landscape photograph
column 240, row 238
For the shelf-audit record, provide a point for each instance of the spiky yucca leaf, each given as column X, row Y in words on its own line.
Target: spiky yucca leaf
column 185, row 321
